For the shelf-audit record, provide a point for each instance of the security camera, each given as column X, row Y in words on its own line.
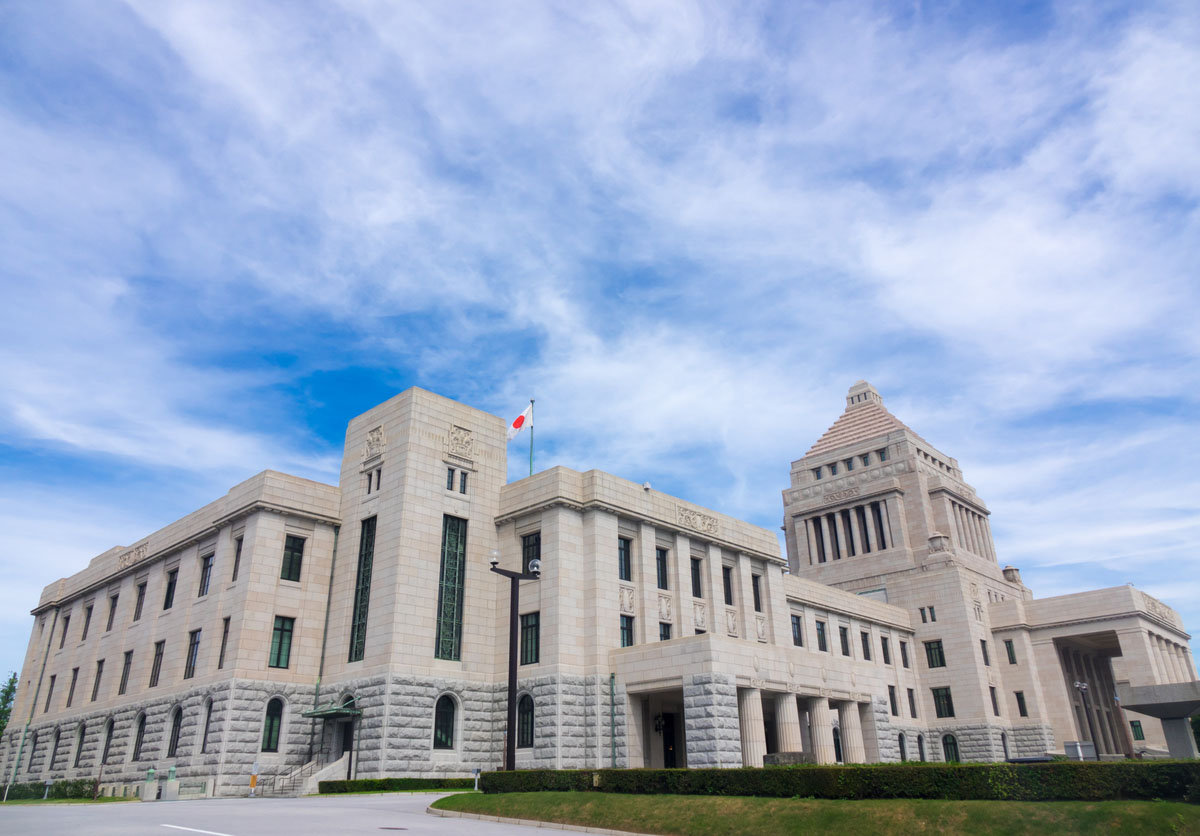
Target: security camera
column 494, row 558
column 535, row 568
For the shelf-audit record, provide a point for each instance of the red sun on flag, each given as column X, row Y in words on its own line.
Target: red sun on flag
column 520, row 422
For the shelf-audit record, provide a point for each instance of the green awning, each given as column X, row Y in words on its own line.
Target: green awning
column 332, row 711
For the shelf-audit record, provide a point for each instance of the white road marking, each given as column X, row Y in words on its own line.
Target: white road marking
column 194, row 830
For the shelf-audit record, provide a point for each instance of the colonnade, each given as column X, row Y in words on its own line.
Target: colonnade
column 848, row 532
column 1107, row 730
column 792, row 734
column 1172, row 660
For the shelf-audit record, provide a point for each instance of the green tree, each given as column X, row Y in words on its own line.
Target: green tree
column 1196, row 728
column 7, row 694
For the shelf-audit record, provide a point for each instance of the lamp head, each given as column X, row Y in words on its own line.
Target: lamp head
column 494, row 558
column 535, row 567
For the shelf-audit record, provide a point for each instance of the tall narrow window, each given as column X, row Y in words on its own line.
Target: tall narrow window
column 921, row 747
column 1011, row 651
column 176, row 728
column 950, row 746
column 525, row 722
column 886, row 650
column 450, row 589
column 449, row 478
column 697, row 570
column 627, row 631
column 54, row 747
column 756, row 589
column 822, row 642
column 664, row 631
column 139, row 737
column 866, row 644
column 934, row 654
column 62, row 638
column 156, row 666
column 462, row 481
column 271, row 724
column 531, row 549
column 108, row 736
column 237, row 558
column 125, row 666
column 660, row 565
column 903, row 749
column 924, row 617
column 112, row 611
column 844, row 635
column 224, row 643
column 727, row 583
column 87, row 622
column 206, row 564
column 1136, row 727
column 1022, row 709
column 71, row 690
column 96, row 681
column 530, row 638
column 169, row 595
column 624, row 565
column 281, row 642
column 797, row 630
column 362, row 590
column 904, row 653
column 943, row 705
column 208, row 708
column 193, row 651
column 932, row 613
column 79, row 738
column 443, row 723
column 987, row 660
column 995, row 702
column 293, row 558
column 892, row 701
column 141, row 599
column 912, row 703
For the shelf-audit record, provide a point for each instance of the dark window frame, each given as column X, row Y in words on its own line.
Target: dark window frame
column 169, row 592
column 531, row 638
column 362, row 590
column 797, row 630
column 943, row 702
column 272, row 724
column 935, row 654
column 624, row 559
column 525, row 717
column 206, row 568
column 531, row 549
column 662, row 568
column 627, row 634
column 193, row 653
column 445, row 714
column 282, row 634
column 293, row 558
column 697, row 565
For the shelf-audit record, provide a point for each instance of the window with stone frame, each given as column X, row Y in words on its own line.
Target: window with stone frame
column 443, row 722
column 624, row 563
column 885, row 650
column 96, row 681
column 822, row 641
column 627, row 631
column 943, row 704
column 448, row 640
column 531, row 549
column 169, row 593
column 531, row 638
column 904, row 653
column 1022, row 708
column 797, row 630
column 112, row 611
column 661, row 568
column 362, row 590
column 912, row 703
column 934, row 655
column 193, row 652
column 293, row 558
column 281, row 642
column 525, row 722
column 141, row 600
column 156, row 666
column 844, row 636
column 272, row 722
column 1011, row 651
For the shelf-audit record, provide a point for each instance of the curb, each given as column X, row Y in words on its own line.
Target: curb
column 576, row 828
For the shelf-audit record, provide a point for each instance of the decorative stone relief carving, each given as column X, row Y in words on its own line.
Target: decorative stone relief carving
column 760, row 624
column 731, row 622
column 664, row 608
column 693, row 519
column 1160, row 609
column 699, row 618
column 376, row 443
column 460, row 442
column 938, row 542
column 838, row 496
column 134, row 555
column 627, row 599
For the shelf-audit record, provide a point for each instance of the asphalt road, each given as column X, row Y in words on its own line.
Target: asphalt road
column 378, row 815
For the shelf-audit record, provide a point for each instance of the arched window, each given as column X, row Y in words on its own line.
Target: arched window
column 79, row 736
column 903, row 749
column 950, row 748
column 139, row 736
column 274, row 719
column 443, row 723
column 33, row 749
column 921, row 747
column 1004, row 744
column 54, row 748
column 837, row 744
column 207, row 723
column 525, row 722
column 108, row 736
column 176, row 727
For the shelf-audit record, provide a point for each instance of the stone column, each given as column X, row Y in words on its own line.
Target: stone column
column 754, row 733
column 710, row 721
column 870, row 538
column 826, row 541
column 822, row 730
column 853, row 750
column 857, row 533
column 787, row 720
column 1189, row 666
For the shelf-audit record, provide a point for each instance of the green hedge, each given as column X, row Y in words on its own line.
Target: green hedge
column 1063, row 780
column 389, row 784
column 59, row 789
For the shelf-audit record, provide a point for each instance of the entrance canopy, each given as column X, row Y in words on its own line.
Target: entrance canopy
column 333, row 711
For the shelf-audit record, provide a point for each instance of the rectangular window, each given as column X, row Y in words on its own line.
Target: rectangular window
column 362, row 590
column 49, row 694
column 624, row 565
column 924, row 618
column 1136, row 727
column 822, row 644
column 995, row 702
column 462, row 481
column 885, row 650
column 892, row 701
column 943, row 705
column 96, row 681
column 450, row 589
column 1011, row 651
column 112, row 612
column 697, row 571
column 237, row 558
column 934, row 655
column 156, row 666
column 882, row 455
column 141, row 599
column 449, row 478
column 87, row 622
column 627, row 631
column 660, row 565
column 224, row 643
column 987, row 660
column 281, row 642
column 1022, row 709
column 932, row 613
column 169, row 595
column 531, row 629
column 817, row 474
column 206, row 564
column 797, row 630
column 189, row 662
column 727, row 582
column 833, row 469
column 904, row 653
column 125, row 666
column 866, row 644
column 756, row 590
column 293, row 557
column 71, row 690
column 62, row 638
column 664, row 631
column 912, row 703
column 844, row 635
column 531, row 550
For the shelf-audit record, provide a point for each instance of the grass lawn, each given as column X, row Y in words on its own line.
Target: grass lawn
column 104, row 799
column 692, row 815
column 385, row 792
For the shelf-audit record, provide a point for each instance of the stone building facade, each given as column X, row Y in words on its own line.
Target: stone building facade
column 301, row 631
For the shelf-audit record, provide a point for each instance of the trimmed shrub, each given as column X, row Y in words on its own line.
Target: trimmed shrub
column 392, row 784
column 81, row 788
column 1061, row 781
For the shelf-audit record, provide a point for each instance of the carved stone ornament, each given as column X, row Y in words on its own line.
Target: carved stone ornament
column 627, row 599
column 731, row 622
column 760, row 624
column 699, row 617
column 939, row 542
column 664, row 608
column 460, row 442
column 134, row 555
column 376, row 442
column 695, row 520
column 1160, row 609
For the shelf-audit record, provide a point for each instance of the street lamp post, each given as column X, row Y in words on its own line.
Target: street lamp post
column 515, row 578
column 1083, row 689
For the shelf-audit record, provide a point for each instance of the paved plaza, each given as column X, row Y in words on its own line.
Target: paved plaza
column 322, row 816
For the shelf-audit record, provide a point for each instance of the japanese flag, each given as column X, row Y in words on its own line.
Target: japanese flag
column 525, row 419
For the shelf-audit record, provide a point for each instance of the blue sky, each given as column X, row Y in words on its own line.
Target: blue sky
column 686, row 229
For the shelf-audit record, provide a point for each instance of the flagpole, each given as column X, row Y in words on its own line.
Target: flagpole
column 531, row 436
